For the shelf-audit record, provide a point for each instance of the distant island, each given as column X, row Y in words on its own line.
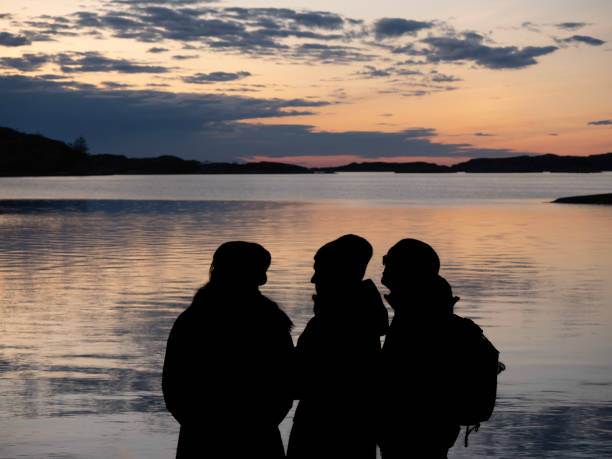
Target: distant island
column 35, row 155
column 589, row 199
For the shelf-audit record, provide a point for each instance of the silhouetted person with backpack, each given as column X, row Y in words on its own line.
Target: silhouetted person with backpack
column 227, row 363
column 418, row 358
column 338, row 358
column 439, row 370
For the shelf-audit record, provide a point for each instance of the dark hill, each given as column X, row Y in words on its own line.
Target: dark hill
column 540, row 163
column 387, row 167
column 263, row 167
column 119, row 164
column 31, row 155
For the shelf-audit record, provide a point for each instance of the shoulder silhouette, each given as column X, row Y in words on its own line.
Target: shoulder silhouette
column 337, row 357
column 227, row 360
column 433, row 367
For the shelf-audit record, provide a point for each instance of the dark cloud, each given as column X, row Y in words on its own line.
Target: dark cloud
column 52, row 77
column 410, row 50
column 582, row 39
column 156, row 23
column 187, row 24
column 412, row 62
column 8, row 39
column 161, row 2
column 72, row 84
column 258, row 31
column 184, row 57
column 93, row 61
column 114, row 85
column 330, row 54
column 483, row 134
column 424, row 88
column 156, row 50
column 407, row 72
column 299, row 140
column 431, row 90
column 45, row 28
column 571, row 25
column 78, row 62
column 372, row 72
column 471, row 48
column 250, row 43
column 442, row 78
column 321, row 20
column 248, row 30
column 25, row 63
column 119, row 21
column 600, row 123
column 237, row 90
column 108, row 117
column 553, row 134
column 288, row 33
column 215, row 77
column 396, row 27
column 87, row 19
column 530, row 26
column 277, row 18
column 416, row 93
column 200, row 126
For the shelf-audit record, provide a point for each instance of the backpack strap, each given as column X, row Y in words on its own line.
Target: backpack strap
column 468, row 431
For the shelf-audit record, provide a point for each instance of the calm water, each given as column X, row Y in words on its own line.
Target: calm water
column 93, row 272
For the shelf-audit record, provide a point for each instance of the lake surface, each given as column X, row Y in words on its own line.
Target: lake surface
column 94, row 270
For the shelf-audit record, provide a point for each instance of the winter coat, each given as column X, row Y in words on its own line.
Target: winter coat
column 421, row 370
column 337, row 369
column 225, row 377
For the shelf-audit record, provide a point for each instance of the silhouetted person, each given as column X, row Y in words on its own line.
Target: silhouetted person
column 227, row 362
column 421, row 356
column 338, row 357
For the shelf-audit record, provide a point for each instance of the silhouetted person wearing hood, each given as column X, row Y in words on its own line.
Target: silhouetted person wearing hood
column 227, row 362
column 420, row 356
column 338, row 357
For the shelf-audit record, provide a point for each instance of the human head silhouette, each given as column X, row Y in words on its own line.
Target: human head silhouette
column 341, row 262
column 441, row 295
column 239, row 264
column 409, row 262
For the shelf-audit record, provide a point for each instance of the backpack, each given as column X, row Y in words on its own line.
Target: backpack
column 479, row 367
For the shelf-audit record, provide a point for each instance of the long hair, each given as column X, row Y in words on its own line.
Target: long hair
column 237, row 267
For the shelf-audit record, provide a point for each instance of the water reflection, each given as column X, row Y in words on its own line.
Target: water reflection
column 89, row 290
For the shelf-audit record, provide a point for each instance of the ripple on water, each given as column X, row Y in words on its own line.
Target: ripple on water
column 90, row 289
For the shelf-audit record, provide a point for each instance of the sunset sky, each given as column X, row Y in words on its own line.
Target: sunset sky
column 315, row 82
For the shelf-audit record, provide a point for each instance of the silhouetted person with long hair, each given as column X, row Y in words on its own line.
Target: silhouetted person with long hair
column 338, row 357
column 420, row 356
column 227, row 362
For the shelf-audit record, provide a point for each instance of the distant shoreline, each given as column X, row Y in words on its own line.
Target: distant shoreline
column 31, row 155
